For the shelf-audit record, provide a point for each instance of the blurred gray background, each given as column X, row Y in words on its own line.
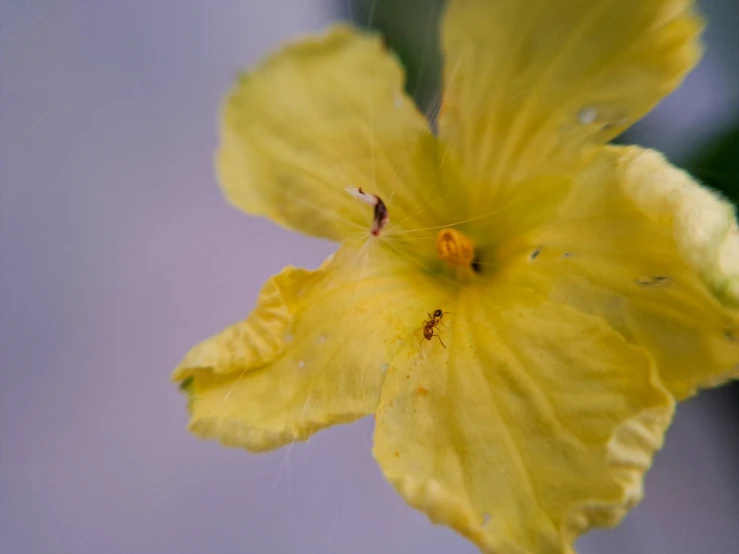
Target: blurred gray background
column 117, row 254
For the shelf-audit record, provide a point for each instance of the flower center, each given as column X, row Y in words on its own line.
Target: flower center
column 455, row 248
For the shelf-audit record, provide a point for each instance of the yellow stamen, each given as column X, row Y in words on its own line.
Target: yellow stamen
column 455, row 248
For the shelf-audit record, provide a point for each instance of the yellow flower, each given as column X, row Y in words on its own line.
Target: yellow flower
column 581, row 288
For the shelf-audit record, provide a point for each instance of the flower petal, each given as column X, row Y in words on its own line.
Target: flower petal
column 320, row 116
column 643, row 246
column 312, row 354
column 703, row 225
column 530, row 83
column 537, row 423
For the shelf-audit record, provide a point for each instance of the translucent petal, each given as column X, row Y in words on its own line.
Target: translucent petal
column 535, row 424
column 319, row 117
column 641, row 245
column 529, row 84
column 312, row 354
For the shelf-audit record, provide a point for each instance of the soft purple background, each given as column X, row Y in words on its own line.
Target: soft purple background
column 118, row 254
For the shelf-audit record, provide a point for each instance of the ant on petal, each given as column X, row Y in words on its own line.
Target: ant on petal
column 430, row 324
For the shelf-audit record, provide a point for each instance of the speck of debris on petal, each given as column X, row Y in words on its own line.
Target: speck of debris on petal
column 652, row 281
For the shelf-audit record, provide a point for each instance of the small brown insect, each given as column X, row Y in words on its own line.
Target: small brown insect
column 429, row 325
